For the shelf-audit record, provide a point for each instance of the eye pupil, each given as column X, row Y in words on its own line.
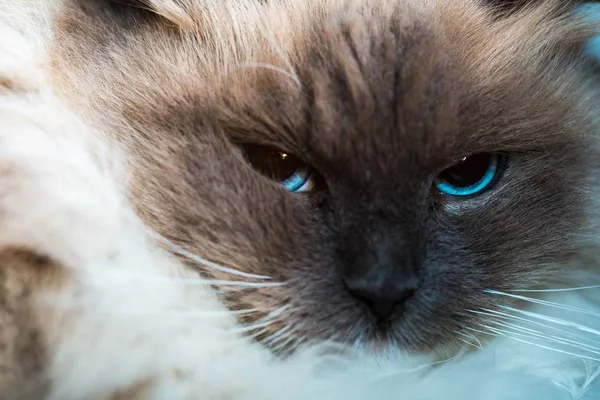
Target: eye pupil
column 292, row 173
column 469, row 171
column 281, row 165
column 471, row 176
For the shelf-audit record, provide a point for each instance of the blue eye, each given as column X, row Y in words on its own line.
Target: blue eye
column 293, row 174
column 299, row 181
column 471, row 176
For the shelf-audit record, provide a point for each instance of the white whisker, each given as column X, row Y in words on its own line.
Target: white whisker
column 172, row 246
column 284, row 344
column 194, row 314
column 258, row 333
column 545, row 303
column 250, row 328
column 555, row 290
column 480, row 331
column 276, row 313
column 469, row 343
column 277, row 335
column 168, row 313
column 263, row 322
column 554, row 320
column 554, row 339
column 295, row 345
column 499, row 314
column 113, row 276
column 245, row 284
column 506, row 334
column 472, row 337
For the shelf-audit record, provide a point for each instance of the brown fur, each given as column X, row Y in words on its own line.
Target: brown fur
column 378, row 97
column 23, row 350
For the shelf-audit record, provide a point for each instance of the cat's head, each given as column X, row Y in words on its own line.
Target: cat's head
column 375, row 172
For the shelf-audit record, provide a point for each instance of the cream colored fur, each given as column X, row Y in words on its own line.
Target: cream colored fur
column 127, row 319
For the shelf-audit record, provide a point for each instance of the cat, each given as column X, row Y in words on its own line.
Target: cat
column 298, row 199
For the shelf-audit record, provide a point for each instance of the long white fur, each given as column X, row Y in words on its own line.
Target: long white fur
column 126, row 318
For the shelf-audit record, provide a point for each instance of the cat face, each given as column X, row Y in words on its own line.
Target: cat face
column 376, row 175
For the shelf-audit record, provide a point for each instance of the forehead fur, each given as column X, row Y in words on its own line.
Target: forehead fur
column 194, row 48
column 327, row 77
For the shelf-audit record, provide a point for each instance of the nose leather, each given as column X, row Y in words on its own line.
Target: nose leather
column 380, row 293
column 384, row 275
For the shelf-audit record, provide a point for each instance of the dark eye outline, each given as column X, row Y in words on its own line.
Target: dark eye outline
column 302, row 180
column 486, row 182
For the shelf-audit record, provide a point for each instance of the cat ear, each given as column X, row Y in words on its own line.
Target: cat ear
column 178, row 12
column 508, row 7
column 579, row 20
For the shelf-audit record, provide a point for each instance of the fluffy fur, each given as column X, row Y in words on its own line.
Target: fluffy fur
column 97, row 105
